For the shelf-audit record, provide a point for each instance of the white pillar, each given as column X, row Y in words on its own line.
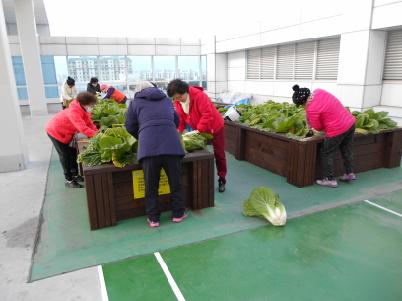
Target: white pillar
column 24, row 11
column 12, row 155
column 361, row 58
column 216, row 68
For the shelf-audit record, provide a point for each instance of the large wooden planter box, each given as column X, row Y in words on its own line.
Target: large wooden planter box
column 299, row 162
column 110, row 192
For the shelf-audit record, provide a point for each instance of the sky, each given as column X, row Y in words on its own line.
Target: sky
column 178, row 18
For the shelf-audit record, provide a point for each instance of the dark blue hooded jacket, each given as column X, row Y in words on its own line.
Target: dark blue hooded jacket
column 151, row 119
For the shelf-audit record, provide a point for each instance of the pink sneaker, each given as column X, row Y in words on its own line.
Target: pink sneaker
column 153, row 224
column 327, row 183
column 348, row 177
column 179, row 219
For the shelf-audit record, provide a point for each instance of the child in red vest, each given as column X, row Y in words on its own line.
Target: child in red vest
column 113, row 93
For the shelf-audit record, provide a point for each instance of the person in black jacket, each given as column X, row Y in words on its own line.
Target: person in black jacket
column 93, row 86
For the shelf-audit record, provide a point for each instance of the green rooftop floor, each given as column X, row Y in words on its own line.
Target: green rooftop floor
column 349, row 253
column 66, row 243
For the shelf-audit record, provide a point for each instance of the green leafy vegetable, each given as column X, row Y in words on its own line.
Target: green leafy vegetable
column 276, row 117
column 222, row 110
column 372, row 122
column 108, row 113
column 114, row 145
column 265, row 203
column 195, row 141
column 289, row 119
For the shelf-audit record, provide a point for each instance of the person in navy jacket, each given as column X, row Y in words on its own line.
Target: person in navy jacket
column 151, row 119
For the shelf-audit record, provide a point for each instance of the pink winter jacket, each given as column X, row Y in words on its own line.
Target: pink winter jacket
column 326, row 113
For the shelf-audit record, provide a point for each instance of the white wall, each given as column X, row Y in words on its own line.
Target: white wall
column 111, row 46
column 391, row 94
column 42, row 30
column 387, row 14
column 362, row 25
column 263, row 90
column 302, row 20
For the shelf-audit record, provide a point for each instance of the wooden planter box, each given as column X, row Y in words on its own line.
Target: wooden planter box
column 299, row 161
column 110, row 193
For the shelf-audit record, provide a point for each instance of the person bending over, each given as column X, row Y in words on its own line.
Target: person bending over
column 324, row 112
column 62, row 128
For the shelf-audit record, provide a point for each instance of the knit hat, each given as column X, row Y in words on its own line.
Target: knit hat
column 143, row 85
column 104, row 86
column 70, row 81
column 300, row 95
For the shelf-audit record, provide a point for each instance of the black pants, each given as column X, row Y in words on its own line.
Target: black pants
column 68, row 158
column 152, row 168
column 344, row 142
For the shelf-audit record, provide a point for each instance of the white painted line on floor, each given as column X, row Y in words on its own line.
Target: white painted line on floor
column 383, row 208
column 171, row 281
column 102, row 284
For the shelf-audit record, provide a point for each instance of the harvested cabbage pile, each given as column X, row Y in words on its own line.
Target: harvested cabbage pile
column 263, row 202
column 372, row 122
column 107, row 113
column 114, row 145
column 195, row 141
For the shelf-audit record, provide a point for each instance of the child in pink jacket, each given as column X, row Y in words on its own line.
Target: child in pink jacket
column 325, row 113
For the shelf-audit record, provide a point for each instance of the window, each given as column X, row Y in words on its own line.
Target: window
column 111, row 69
column 82, row 68
column 164, row 70
column 139, row 68
column 253, row 63
column 19, row 74
column 204, row 71
column 267, row 63
column 164, row 67
column 295, row 61
column 49, row 76
column 304, row 60
column 119, row 71
column 60, row 63
column 393, row 56
column 285, row 63
column 188, row 68
column 327, row 59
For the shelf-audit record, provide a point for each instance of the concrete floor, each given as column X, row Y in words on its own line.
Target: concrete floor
column 21, row 197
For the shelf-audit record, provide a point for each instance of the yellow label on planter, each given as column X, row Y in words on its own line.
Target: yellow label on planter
column 139, row 184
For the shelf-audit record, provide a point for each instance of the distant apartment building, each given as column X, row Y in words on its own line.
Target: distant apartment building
column 106, row 68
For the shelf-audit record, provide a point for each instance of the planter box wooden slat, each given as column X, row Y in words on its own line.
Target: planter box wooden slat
column 110, row 192
column 299, row 161
column 393, row 146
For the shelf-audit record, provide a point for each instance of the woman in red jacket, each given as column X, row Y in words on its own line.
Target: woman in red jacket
column 324, row 112
column 196, row 109
column 62, row 128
